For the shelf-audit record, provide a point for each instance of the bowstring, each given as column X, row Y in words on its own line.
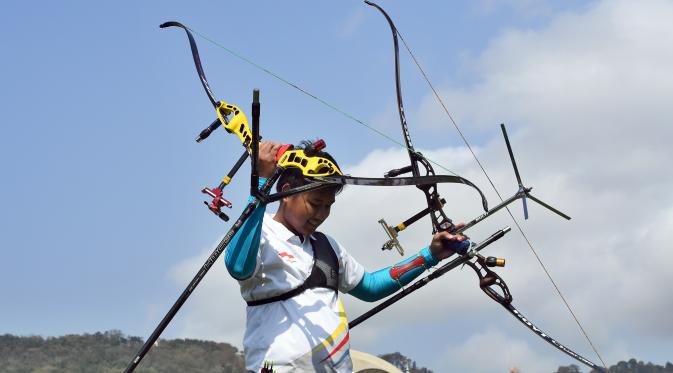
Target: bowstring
column 391, row 139
column 315, row 97
column 516, row 222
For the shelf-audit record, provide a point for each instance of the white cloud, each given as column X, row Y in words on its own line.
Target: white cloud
column 215, row 310
column 469, row 356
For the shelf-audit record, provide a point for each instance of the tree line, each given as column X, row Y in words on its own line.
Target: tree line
column 109, row 352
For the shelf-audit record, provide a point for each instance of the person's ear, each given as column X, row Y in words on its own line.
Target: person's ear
column 285, row 188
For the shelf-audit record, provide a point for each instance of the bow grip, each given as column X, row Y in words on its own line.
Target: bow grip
column 460, row 247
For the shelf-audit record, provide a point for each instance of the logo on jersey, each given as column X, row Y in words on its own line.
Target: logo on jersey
column 287, row 256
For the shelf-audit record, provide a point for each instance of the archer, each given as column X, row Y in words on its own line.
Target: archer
column 290, row 275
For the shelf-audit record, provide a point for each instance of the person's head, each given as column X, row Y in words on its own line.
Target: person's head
column 302, row 213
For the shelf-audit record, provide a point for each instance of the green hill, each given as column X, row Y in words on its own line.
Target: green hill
column 111, row 351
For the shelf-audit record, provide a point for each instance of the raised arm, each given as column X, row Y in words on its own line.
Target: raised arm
column 241, row 255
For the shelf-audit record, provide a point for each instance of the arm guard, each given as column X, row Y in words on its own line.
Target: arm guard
column 380, row 284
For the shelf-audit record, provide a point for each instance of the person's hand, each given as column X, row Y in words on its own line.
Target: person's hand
column 445, row 244
column 266, row 160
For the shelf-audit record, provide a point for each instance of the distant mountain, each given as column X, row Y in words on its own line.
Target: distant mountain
column 403, row 362
column 109, row 352
column 631, row 366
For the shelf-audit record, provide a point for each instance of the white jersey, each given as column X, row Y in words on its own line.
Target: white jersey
column 308, row 332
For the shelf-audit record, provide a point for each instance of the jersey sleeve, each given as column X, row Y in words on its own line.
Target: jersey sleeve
column 350, row 270
column 242, row 253
column 242, row 256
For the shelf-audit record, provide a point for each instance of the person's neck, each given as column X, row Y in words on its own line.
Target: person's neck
column 279, row 217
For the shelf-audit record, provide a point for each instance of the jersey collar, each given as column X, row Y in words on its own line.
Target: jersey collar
column 282, row 232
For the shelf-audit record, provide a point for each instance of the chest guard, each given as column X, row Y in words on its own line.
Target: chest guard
column 324, row 274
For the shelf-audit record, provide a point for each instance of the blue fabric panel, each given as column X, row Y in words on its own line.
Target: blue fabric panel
column 379, row 284
column 241, row 255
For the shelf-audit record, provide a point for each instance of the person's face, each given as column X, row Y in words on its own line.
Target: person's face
column 305, row 212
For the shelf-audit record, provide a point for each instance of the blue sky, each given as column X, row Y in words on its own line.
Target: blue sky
column 101, row 176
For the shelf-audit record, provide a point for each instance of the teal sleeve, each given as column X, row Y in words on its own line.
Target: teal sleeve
column 380, row 284
column 241, row 255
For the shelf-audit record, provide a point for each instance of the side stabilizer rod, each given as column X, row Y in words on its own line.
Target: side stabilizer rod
column 524, row 192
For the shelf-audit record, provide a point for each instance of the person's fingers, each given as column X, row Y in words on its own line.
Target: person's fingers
column 274, row 148
column 450, row 237
column 268, row 149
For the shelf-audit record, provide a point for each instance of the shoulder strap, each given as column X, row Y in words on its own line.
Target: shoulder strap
column 324, row 273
